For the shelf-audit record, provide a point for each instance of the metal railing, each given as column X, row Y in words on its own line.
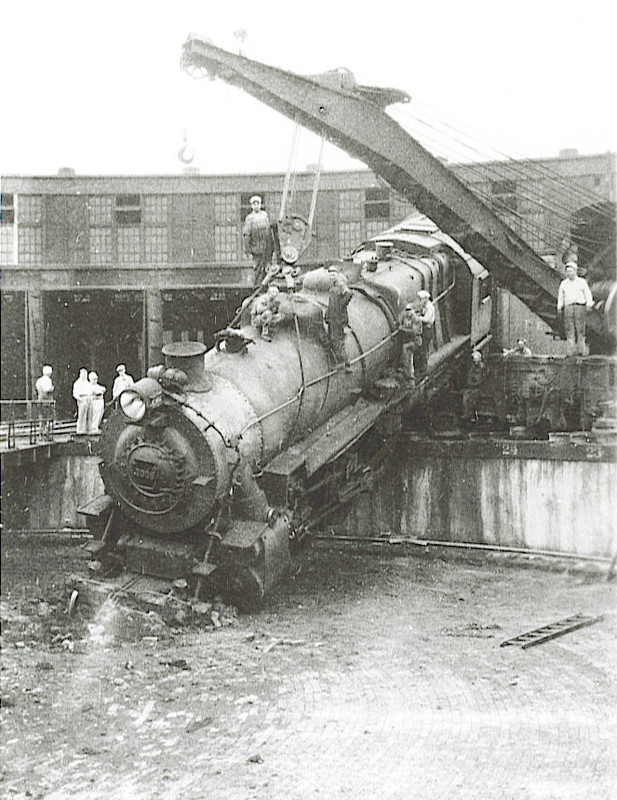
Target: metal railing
column 34, row 420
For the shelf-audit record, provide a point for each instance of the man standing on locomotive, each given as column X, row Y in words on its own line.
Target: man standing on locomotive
column 411, row 331
column 427, row 318
column 258, row 239
column 336, row 317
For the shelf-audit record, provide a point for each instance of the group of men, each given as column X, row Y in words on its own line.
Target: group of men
column 88, row 393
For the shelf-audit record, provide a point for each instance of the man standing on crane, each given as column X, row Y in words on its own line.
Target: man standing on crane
column 258, row 239
column 574, row 299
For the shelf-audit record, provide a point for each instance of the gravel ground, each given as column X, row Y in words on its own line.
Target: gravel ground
column 369, row 676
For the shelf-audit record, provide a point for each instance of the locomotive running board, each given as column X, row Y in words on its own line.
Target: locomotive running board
column 539, row 635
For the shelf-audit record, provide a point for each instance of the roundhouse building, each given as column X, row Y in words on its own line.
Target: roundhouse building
column 98, row 270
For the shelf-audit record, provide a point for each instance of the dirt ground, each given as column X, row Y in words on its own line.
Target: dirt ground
column 368, row 676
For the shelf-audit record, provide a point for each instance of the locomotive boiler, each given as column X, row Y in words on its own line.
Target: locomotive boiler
column 218, row 463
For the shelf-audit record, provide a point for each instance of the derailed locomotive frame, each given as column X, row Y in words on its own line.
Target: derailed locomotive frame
column 216, row 474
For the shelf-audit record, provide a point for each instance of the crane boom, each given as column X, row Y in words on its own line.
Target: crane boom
column 353, row 117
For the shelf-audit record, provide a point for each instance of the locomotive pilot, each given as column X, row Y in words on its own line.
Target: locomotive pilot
column 411, row 332
column 265, row 311
column 258, row 239
column 427, row 318
column 336, row 317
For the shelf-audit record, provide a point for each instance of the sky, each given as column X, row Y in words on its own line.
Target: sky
column 97, row 86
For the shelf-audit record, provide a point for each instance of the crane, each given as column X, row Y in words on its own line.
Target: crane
column 353, row 117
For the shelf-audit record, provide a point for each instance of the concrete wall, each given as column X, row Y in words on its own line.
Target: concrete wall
column 561, row 505
column 566, row 506
column 47, row 494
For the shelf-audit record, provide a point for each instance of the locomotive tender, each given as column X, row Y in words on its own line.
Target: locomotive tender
column 218, row 463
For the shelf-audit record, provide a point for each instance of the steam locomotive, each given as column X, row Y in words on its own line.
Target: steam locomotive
column 219, row 463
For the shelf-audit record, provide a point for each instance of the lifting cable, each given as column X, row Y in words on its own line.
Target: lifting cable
column 291, row 170
column 553, row 184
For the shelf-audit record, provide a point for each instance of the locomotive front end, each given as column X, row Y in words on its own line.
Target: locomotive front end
column 182, row 503
column 162, row 461
column 160, row 470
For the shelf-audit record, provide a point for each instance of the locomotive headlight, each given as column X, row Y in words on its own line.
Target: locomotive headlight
column 143, row 395
column 133, row 405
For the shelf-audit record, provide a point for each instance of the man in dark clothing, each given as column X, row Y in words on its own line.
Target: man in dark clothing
column 258, row 239
column 411, row 333
column 336, row 316
column 476, row 378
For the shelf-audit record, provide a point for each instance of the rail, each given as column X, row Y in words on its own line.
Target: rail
column 34, row 420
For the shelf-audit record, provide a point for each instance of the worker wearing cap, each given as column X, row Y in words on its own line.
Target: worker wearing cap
column 45, row 394
column 121, row 382
column 265, row 311
column 258, row 239
column 336, row 317
column 476, row 378
column 97, row 402
column 411, row 333
column 574, row 299
column 427, row 318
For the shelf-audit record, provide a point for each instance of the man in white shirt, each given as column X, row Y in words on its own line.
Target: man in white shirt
column 45, row 394
column 574, row 298
column 82, row 393
column 427, row 317
column 121, row 382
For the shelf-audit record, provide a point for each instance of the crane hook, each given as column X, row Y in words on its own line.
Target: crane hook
column 182, row 154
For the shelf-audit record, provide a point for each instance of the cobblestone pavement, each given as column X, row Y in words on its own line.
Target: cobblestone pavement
column 369, row 677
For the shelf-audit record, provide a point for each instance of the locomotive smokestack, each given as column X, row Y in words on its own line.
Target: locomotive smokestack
column 189, row 357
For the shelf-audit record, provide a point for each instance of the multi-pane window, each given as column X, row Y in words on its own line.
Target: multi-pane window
column 128, row 209
column 350, row 206
column 226, row 242
column 155, row 232
column 101, row 246
column 155, row 209
column 29, row 227
column 156, row 244
column 377, row 204
column 351, row 216
column 30, row 210
column 7, row 229
column 30, row 244
column 401, row 208
column 101, row 216
column 504, row 197
column 350, row 236
column 375, row 226
column 226, row 209
column 100, row 210
column 129, row 244
column 226, row 229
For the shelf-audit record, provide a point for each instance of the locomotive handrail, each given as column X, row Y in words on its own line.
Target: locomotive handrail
column 298, row 396
column 446, row 291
